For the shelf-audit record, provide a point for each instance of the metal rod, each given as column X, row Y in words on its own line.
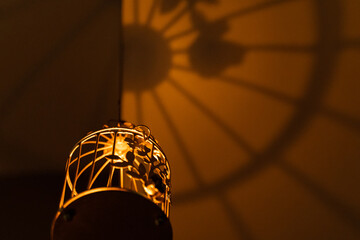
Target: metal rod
column 111, row 171
column 121, row 178
column 93, row 163
column 65, row 185
column 134, row 184
column 109, row 184
column 77, row 171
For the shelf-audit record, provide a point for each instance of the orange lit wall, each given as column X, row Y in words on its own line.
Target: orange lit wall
column 255, row 103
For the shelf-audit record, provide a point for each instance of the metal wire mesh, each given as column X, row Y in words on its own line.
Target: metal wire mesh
column 124, row 157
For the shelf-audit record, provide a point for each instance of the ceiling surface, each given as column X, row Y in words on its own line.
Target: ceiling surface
column 255, row 103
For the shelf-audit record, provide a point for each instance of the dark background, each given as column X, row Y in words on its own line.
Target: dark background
column 256, row 104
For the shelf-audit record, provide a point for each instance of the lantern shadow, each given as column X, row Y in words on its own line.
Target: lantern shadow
column 209, row 55
column 326, row 50
column 148, row 56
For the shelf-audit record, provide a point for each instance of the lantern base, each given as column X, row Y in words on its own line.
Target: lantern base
column 110, row 213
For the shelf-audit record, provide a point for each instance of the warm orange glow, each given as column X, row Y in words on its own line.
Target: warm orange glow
column 150, row 189
column 123, row 157
column 121, row 148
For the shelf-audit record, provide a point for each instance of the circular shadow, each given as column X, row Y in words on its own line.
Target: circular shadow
column 326, row 52
column 147, row 58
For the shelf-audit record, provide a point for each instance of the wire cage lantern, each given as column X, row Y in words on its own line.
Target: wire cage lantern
column 126, row 160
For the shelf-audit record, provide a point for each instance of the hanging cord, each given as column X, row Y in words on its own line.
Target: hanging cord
column 121, row 59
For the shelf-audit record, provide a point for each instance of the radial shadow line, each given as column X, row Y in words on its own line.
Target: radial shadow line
column 151, row 13
column 173, row 21
column 344, row 212
column 256, row 88
column 236, row 177
column 280, row 48
column 353, row 43
column 342, row 118
column 136, row 11
column 179, row 51
column 181, row 144
column 30, row 77
column 240, row 141
column 184, row 68
column 238, row 225
column 252, row 9
column 180, row 34
column 248, row 85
